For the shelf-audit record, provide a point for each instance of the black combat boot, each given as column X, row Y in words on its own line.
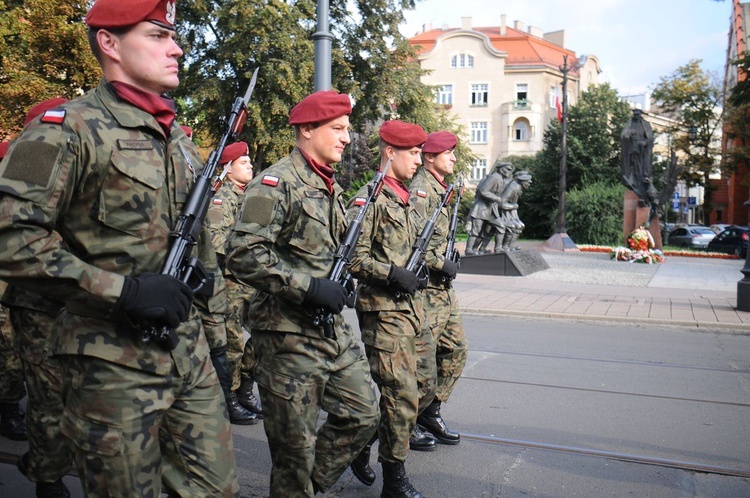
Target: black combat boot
column 238, row 414
column 431, row 421
column 361, row 467
column 419, row 441
column 246, row 396
column 395, row 482
column 12, row 422
column 56, row 489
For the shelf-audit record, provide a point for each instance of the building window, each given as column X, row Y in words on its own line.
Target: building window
column 478, row 132
column 445, row 95
column 520, row 131
column 478, row 169
column 462, row 61
column 522, row 91
column 479, row 94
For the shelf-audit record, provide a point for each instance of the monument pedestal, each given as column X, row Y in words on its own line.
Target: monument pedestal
column 635, row 215
column 517, row 263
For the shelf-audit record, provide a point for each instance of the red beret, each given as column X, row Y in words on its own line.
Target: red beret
column 234, row 151
column 400, row 134
column 321, row 106
column 188, row 131
column 41, row 107
column 440, row 141
column 109, row 14
column 3, row 149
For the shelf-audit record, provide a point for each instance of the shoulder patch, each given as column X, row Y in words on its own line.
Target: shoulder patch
column 54, row 116
column 271, row 181
column 360, row 201
column 421, row 193
column 217, row 202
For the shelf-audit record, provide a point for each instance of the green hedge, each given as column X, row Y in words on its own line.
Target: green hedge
column 594, row 214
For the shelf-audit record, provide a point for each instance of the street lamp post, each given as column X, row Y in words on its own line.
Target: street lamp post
column 560, row 240
column 323, row 40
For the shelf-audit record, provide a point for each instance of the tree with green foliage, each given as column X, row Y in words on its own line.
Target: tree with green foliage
column 595, row 124
column 44, row 53
column 737, row 118
column 694, row 99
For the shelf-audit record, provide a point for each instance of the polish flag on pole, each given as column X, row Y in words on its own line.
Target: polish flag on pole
column 559, row 108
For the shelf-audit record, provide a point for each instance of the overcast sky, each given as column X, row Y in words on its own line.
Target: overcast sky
column 636, row 41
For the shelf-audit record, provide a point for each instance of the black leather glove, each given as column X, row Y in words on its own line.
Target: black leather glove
column 153, row 297
column 326, row 293
column 449, row 268
column 403, row 280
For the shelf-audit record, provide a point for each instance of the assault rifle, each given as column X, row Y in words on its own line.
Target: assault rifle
column 339, row 272
column 416, row 261
column 180, row 264
column 451, row 253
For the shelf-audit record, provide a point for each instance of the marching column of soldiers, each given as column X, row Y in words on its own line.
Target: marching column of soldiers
column 135, row 377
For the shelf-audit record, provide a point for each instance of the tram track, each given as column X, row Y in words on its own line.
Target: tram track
column 612, row 455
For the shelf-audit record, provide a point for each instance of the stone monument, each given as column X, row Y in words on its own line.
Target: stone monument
column 642, row 201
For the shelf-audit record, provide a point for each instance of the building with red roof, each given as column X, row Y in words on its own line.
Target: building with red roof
column 503, row 83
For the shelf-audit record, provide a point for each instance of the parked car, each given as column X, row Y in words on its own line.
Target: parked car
column 693, row 237
column 719, row 227
column 733, row 240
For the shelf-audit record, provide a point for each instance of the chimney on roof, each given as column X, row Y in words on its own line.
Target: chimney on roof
column 426, row 27
column 519, row 25
column 503, row 27
column 466, row 23
column 556, row 37
column 534, row 31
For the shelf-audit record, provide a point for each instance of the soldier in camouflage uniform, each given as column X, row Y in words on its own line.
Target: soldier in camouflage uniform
column 291, row 222
column 109, row 173
column 441, row 306
column 33, row 316
column 389, row 306
column 12, row 390
column 220, row 218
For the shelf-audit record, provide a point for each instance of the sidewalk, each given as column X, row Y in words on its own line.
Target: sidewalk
column 694, row 292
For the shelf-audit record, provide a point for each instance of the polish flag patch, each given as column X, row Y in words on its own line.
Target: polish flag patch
column 55, row 116
column 421, row 193
column 359, row 201
column 269, row 180
column 218, row 202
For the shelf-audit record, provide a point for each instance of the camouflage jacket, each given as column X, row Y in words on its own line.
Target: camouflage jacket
column 287, row 231
column 389, row 230
column 102, row 175
column 221, row 215
column 426, row 195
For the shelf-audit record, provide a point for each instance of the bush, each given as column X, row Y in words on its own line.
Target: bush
column 594, row 214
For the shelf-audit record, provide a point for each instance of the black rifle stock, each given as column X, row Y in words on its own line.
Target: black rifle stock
column 339, row 272
column 416, row 263
column 451, row 253
column 179, row 263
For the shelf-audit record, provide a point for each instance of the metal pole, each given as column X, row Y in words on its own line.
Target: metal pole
column 561, row 215
column 743, row 286
column 323, row 40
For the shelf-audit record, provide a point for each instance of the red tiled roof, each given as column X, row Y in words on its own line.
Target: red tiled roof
column 522, row 48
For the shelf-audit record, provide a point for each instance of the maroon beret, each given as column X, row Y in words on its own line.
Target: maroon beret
column 109, row 14
column 400, row 134
column 188, row 131
column 41, row 107
column 234, row 151
column 321, row 106
column 4, row 149
column 440, row 141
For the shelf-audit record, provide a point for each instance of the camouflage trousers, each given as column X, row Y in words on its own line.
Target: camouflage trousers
column 135, row 432
column 12, row 389
column 451, row 350
column 298, row 375
column 50, row 451
column 401, row 357
column 240, row 354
